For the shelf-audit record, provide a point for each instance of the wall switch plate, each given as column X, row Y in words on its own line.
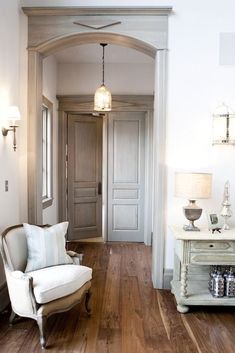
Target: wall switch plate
column 6, row 185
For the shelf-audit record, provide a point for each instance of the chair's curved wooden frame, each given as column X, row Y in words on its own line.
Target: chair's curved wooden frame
column 38, row 310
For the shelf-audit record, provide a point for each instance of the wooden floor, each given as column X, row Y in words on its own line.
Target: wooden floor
column 129, row 316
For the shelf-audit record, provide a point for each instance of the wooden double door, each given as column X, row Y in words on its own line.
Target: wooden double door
column 125, row 176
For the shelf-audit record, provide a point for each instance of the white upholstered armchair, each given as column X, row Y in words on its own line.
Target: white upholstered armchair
column 40, row 293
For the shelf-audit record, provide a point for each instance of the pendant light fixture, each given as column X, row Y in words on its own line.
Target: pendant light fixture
column 103, row 97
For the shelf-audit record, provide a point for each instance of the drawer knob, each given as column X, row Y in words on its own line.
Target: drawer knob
column 211, row 245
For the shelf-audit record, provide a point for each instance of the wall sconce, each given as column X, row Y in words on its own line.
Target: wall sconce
column 223, row 126
column 13, row 115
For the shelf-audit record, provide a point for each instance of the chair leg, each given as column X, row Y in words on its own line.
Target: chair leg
column 42, row 321
column 12, row 317
column 87, row 300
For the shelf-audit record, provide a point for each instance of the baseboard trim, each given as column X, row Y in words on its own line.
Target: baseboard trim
column 167, row 278
column 4, row 297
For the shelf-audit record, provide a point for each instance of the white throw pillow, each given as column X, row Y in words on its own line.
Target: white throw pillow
column 46, row 246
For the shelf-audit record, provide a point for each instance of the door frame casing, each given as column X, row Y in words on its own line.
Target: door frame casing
column 159, row 146
column 152, row 41
column 120, row 103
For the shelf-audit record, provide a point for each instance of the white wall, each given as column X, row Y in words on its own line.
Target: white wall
column 11, row 61
column 50, row 214
column 196, row 84
column 22, row 134
column 9, row 95
column 119, row 78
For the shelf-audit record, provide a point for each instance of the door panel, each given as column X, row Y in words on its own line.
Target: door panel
column 84, row 176
column 125, row 165
column 85, row 150
column 125, row 217
column 126, row 176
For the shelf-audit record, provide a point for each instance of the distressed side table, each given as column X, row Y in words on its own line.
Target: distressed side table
column 194, row 253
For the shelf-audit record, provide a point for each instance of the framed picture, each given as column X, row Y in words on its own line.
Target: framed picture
column 215, row 221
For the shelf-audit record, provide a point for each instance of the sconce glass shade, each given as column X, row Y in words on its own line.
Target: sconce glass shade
column 102, row 99
column 223, row 126
column 13, row 114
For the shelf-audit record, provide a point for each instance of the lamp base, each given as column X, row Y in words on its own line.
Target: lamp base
column 192, row 212
column 191, row 228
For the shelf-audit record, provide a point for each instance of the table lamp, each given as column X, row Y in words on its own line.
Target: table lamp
column 193, row 186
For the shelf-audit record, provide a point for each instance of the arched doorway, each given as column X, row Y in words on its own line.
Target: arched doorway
column 36, row 54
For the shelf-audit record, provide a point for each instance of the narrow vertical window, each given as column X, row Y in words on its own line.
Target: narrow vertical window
column 47, row 115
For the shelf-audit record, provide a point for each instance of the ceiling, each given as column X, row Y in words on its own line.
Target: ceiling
column 92, row 53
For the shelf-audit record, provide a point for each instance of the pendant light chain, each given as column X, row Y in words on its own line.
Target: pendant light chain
column 103, row 45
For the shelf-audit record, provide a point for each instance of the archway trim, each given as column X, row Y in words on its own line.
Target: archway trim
column 62, row 42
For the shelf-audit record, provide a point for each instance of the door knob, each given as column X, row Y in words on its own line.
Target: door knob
column 100, row 188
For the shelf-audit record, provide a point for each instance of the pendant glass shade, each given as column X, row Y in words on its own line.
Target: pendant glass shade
column 102, row 99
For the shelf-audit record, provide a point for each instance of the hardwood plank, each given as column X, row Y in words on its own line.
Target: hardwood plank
column 111, row 302
column 173, row 323
column 179, row 337
column 129, row 267
column 154, row 330
column 4, row 319
column 133, row 340
column 98, row 285
column 31, row 341
column 109, row 337
column 211, row 328
column 15, row 336
column 109, row 341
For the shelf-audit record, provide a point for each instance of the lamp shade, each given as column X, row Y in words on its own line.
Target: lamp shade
column 193, row 185
column 13, row 114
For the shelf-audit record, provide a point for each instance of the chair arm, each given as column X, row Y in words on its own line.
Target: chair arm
column 20, row 287
column 77, row 258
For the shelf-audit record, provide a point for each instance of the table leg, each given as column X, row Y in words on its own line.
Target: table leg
column 183, row 288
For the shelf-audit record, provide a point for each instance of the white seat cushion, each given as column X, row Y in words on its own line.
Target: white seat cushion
column 58, row 281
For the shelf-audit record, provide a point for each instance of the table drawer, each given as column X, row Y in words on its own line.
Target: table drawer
column 212, row 258
column 212, row 246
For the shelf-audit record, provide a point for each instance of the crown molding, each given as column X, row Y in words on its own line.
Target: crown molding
column 97, row 11
column 85, row 103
